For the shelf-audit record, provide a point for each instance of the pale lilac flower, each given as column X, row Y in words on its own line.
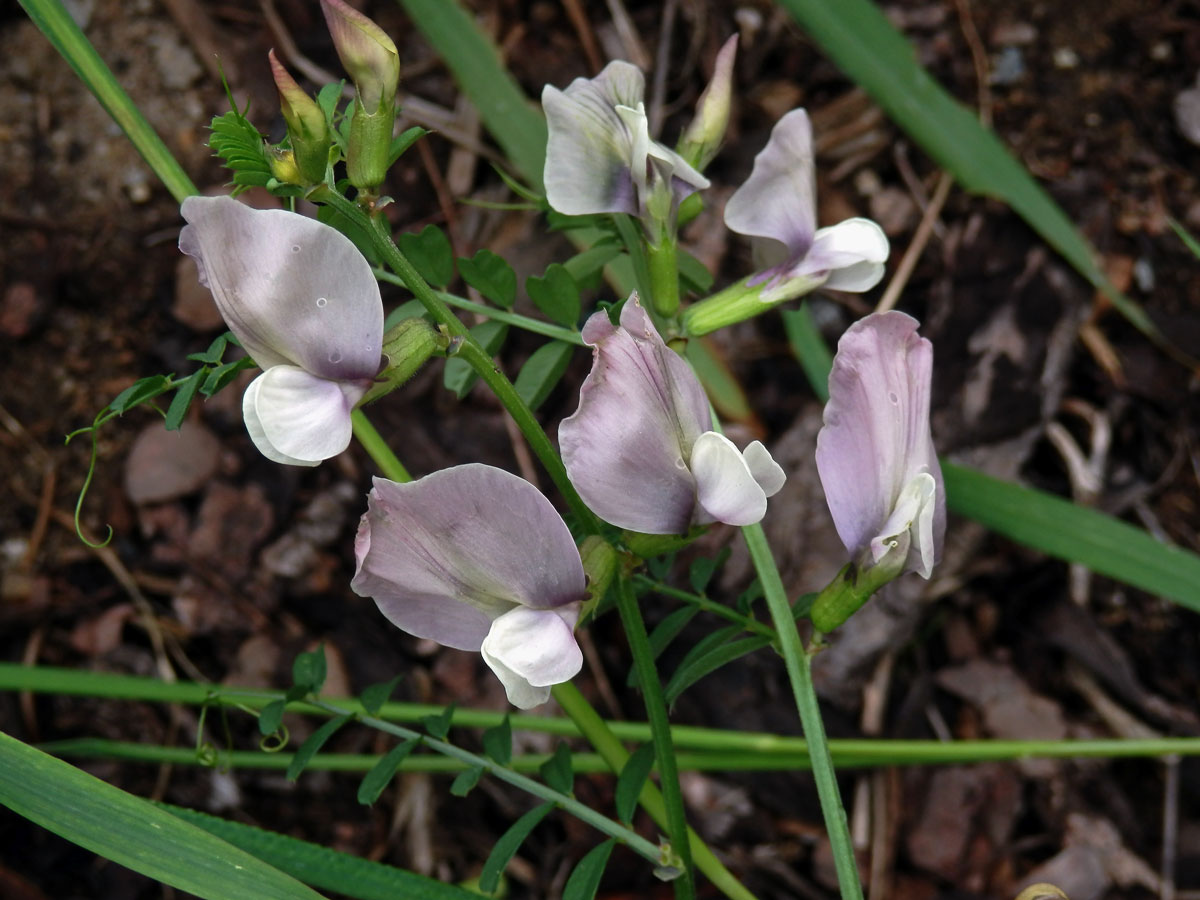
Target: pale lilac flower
column 875, row 453
column 302, row 301
column 641, row 449
column 600, row 158
column 777, row 208
column 476, row 558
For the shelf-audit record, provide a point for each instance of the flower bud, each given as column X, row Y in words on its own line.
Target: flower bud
column 367, row 54
column 306, row 123
column 699, row 144
column 373, row 63
column 406, row 347
column 283, row 166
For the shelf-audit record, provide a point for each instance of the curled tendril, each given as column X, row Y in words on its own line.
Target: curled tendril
column 94, row 430
column 207, row 754
column 275, row 741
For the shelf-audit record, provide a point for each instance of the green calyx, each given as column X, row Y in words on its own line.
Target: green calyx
column 406, row 346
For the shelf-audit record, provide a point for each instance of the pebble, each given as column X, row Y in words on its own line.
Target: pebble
column 164, row 465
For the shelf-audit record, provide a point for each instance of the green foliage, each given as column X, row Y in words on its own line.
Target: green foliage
column 465, row 781
column 458, row 376
column 376, row 695
column 703, row 568
column 497, row 742
column 542, row 371
column 430, row 253
column 509, row 843
column 557, row 771
column 270, row 717
column 631, row 781
column 133, row 832
column 313, row 744
column 322, row 867
column 585, row 877
column 556, row 294
column 693, row 274
column 402, row 142
column 240, row 147
column 308, row 670
column 439, row 725
column 491, row 275
column 709, row 654
column 383, row 771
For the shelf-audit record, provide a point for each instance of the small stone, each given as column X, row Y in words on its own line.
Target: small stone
column 1187, row 112
column 1065, row 58
column 165, row 464
column 1014, row 34
column 20, row 310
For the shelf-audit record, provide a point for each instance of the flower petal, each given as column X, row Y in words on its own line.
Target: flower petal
column 445, row 555
column 290, row 288
column 589, row 152
column 777, row 203
column 915, row 506
column 640, row 410
column 532, row 649
column 725, row 487
column 298, row 415
column 768, row 473
column 852, row 252
column 876, row 437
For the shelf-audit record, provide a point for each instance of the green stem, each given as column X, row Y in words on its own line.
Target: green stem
column 537, row 326
column 469, row 349
column 704, row 603
column 377, row 448
column 847, row 751
column 662, row 260
column 608, row 745
column 660, row 729
column 799, row 669
column 603, row 824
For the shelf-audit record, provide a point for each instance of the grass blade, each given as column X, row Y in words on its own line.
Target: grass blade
column 867, row 47
column 52, row 20
column 1058, row 527
column 322, row 867
column 132, row 831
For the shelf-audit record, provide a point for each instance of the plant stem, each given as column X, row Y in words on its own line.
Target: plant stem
column 660, row 730
column 799, row 669
column 584, row 813
column 704, row 603
column 600, row 736
column 469, row 349
column 662, row 260
column 377, row 448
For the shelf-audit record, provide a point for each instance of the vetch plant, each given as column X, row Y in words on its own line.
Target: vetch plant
column 302, row 301
column 477, row 559
column 776, row 207
column 877, row 463
column 641, row 449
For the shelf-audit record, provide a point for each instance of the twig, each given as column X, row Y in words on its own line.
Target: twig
column 587, row 37
column 627, row 32
column 1170, row 836
column 978, row 58
column 662, row 60
column 924, row 230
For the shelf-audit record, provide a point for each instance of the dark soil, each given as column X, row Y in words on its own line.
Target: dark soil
column 241, row 564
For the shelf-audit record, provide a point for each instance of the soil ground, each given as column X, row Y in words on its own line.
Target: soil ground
column 238, row 564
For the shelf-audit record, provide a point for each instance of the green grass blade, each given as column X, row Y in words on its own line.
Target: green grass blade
column 132, row 831
column 322, row 867
column 53, row 20
column 868, row 48
column 1060, row 528
column 514, row 122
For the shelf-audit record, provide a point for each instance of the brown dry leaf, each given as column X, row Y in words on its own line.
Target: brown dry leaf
column 164, row 465
column 101, row 634
column 1092, row 860
column 1011, row 709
